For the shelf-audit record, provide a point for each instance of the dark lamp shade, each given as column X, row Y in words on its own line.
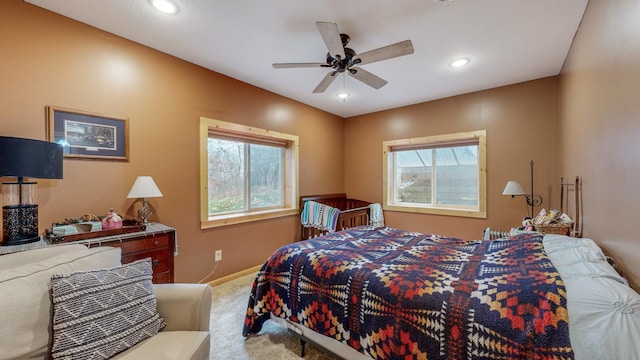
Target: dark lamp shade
column 30, row 158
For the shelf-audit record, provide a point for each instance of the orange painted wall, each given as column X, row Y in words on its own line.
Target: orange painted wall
column 521, row 123
column 600, row 126
column 48, row 59
column 581, row 123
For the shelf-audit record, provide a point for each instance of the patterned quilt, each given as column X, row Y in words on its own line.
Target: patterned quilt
column 393, row 294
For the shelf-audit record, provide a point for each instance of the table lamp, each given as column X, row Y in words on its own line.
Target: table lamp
column 144, row 188
column 25, row 158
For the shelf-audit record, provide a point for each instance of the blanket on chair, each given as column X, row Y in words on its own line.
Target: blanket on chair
column 393, row 294
column 376, row 216
column 319, row 216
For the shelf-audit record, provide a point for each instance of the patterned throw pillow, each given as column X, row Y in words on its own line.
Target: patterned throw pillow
column 97, row 314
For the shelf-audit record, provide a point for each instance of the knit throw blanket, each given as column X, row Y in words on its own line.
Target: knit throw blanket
column 376, row 218
column 319, row 216
column 393, row 294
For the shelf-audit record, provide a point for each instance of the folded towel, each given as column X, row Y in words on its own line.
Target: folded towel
column 319, row 216
column 376, row 217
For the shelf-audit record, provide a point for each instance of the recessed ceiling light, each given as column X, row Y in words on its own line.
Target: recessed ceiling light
column 459, row 62
column 166, row 6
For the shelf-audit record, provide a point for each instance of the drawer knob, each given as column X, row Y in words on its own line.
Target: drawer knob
column 155, row 242
column 155, row 262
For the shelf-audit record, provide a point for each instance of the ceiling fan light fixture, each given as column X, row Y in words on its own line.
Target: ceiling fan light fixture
column 459, row 62
column 166, row 6
column 342, row 95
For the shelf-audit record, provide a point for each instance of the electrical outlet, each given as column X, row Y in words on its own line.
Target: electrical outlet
column 218, row 255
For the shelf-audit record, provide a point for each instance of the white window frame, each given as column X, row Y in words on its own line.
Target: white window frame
column 479, row 137
column 290, row 179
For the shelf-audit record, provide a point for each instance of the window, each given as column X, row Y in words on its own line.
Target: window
column 443, row 174
column 247, row 173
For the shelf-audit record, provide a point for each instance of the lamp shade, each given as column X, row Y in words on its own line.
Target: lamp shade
column 144, row 187
column 30, row 158
column 513, row 188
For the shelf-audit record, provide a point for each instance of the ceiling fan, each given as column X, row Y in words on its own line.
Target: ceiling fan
column 343, row 59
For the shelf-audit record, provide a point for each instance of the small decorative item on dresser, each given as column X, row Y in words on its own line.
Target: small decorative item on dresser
column 111, row 221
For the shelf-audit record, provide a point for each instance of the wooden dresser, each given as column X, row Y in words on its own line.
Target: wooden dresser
column 157, row 241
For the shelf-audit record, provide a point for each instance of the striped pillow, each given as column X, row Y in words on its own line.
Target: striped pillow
column 97, row 314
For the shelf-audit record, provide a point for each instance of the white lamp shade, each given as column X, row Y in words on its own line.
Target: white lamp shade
column 144, row 187
column 513, row 188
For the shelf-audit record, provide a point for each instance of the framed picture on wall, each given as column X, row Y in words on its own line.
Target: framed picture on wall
column 88, row 135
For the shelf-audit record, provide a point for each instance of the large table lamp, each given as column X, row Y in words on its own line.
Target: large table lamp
column 144, row 187
column 25, row 158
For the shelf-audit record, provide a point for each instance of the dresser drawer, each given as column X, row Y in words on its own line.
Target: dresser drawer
column 159, row 259
column 146, row 244
column 162, row 278
column 156, row 242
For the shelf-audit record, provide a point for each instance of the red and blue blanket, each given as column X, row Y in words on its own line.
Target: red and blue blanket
column 393, row 294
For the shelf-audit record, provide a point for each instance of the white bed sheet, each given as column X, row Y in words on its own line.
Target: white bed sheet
column 604, row 312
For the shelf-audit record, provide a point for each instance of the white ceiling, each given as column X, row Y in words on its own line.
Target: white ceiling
column 508, row 41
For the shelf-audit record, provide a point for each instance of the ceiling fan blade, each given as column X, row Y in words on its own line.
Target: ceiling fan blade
column 331, row 37
column 367, row 77
column 298, row 65
column 326, row 81
column 386, row 52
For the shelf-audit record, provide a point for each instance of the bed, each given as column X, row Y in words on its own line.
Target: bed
column 352, row 213
column 383, row 293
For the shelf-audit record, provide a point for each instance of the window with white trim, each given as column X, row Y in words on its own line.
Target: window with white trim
column 443, row 174
column 247, row 173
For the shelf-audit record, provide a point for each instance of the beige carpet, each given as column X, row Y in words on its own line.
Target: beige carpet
column 227, row 316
